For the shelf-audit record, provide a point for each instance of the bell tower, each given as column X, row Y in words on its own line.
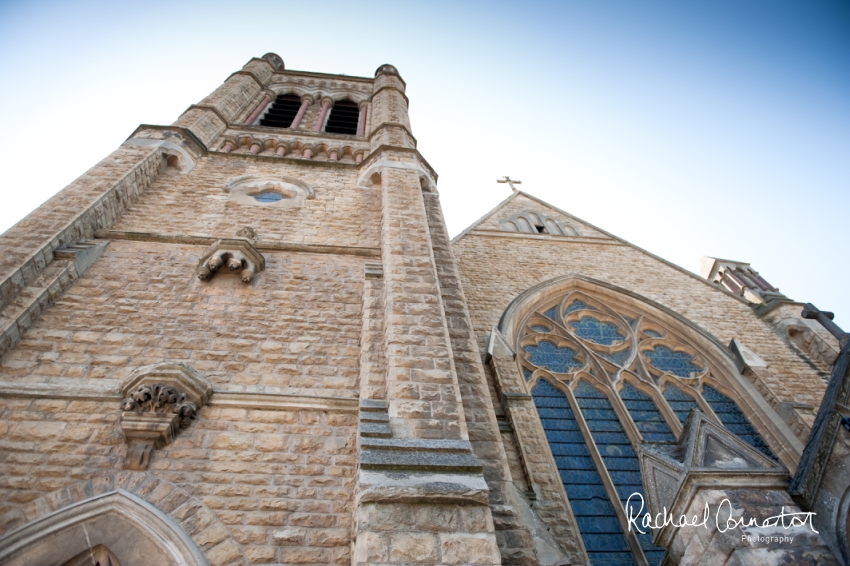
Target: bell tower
column 275, row 265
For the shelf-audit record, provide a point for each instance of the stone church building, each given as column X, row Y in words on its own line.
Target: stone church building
column 246, row 338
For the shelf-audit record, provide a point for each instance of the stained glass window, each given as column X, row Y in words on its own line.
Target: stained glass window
column 604, row 333
column 591, row 338
column 646, row 415
column 547, row 355
column 677, row 363
column 681, row 403
column 733, row 419
column 617, row 454
column 597, row 522
column 618, row 358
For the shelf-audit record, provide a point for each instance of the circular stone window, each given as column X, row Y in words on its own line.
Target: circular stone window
column 266, row 192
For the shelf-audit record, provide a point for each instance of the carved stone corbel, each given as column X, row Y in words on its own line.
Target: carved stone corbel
column 237, row 254
column 159, row 401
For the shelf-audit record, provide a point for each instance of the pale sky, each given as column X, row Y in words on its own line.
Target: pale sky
column 687, row 128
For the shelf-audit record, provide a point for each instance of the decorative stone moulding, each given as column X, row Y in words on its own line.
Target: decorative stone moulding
column 708, row 456
column 252, row 191
column 159, row 401
column 248, row 233
column 237, row 254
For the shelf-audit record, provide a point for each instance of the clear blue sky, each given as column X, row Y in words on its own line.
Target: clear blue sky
column 689, row 128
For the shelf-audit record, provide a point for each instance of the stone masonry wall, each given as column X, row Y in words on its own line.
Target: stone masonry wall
column 279, row 483
column 195, row 204
column 29, row 277
column 514, row 540
column 296, row 328
column 421, row 381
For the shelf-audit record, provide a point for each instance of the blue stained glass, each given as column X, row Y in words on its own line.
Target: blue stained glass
column 540, row 328
column 576, row 306
column 681, row 403
column 527, row 373
column 617, row 454
column 547, row 355
column 600, row 530
column 618, row 358
column 589, row 328
column 268, row 196
column 733, row 419
column 552, row 313
column 631, row 321
column 646, row 415
column 652, row 333
column 677, row 363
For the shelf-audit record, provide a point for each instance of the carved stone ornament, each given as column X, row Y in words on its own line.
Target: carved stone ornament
column 708, row 456
column 237, row 254
column 159, row 401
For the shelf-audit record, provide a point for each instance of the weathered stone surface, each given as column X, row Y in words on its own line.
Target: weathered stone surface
column 363, row 301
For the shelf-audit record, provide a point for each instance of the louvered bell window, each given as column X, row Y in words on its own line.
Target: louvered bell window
column 282, row 112
column 343, row 119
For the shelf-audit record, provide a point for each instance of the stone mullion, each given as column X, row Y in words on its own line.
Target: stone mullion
column 607, row 482
column 551, row 502
column 664, row 408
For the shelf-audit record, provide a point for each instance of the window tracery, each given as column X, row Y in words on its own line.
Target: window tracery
column 623, row 378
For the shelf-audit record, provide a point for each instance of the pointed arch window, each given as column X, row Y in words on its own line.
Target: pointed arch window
column 605, row 378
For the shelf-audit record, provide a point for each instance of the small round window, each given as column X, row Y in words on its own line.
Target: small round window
column 268, row 196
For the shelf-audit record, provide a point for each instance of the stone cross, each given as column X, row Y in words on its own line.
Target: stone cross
column 509, row 181
column 825, row 319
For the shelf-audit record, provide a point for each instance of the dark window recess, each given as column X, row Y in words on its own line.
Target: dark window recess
column 282, row 112
column 343, row 119
column 541, row 229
